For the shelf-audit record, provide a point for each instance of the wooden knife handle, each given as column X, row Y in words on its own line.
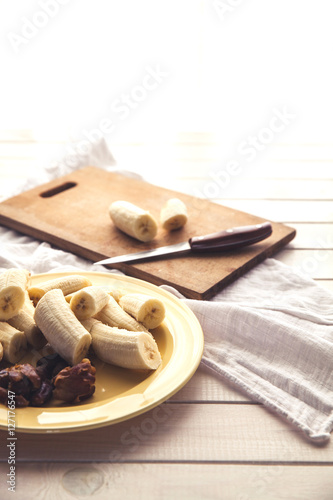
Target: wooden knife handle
column 230, row 239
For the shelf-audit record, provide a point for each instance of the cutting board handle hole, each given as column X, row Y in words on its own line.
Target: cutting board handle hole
column 58, row 189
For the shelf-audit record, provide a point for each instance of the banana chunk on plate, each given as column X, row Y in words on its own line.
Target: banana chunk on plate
column 67, row 284
column 110, row 290
column 147, row 310
column 14, row 342
column 88, row 301
column 61, row 328
column 24, row 322
column 114, row 315
column 13, row 284
column 133, row 220
column 132, row 350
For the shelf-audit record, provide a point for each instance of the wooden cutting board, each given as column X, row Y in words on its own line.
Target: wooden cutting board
column 71, row 213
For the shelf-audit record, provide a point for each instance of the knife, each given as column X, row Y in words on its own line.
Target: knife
column 221, row 241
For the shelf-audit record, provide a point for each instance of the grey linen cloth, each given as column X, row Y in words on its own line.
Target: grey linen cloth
column 270, row 333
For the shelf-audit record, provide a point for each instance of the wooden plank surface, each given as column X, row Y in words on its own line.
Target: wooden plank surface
column 171, row 481
column 176, row 432
column 317, row 264
column 285, row 210
column 328, row 284
column 313, row 236
column 216, row 185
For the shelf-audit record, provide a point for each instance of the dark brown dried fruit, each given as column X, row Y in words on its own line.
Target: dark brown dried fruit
column 49, row 366
column 3, row 396
column 42, row 395
column 76, row 383
column 30, row 372
column 4, row 378
column 20, row 379
column 19, row 383
column 33, row 385
column 21, row 401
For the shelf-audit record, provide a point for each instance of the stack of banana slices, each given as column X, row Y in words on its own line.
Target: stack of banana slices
column 72, row 316
column 17, row 326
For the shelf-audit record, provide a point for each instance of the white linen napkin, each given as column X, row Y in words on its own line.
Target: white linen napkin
column 270, row 333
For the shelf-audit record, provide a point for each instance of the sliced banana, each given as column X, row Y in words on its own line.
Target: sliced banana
column 28, row 305
column 116, row 293
column 173, row 214
column 113, row 292
column 13, row 284
column 88, row 301
column 13, row 341
column 133, row 220
column 132, row 350
column 24, row 322
column 61, row 328
column 149, row 311
column 114, row 315
column 67, row 284
column 1, row 351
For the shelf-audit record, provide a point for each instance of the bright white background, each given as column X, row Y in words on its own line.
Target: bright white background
column 226, row 65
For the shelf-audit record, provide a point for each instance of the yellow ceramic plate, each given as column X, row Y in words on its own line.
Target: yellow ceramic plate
column 122, row 394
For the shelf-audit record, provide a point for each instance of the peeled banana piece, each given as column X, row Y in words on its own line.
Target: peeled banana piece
column 113, row 292
column 173, row 214
column 67, row 284
column 116, row 293
column 132, row 350
column 14, row 342
column 62, row 329
column 13, row 283
column 114, row 315
column 24, row 322
column 28, row 305
column 88, row 301
column 149, row 311
column 133, row 220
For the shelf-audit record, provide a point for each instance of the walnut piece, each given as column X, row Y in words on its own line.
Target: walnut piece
column 76, row 383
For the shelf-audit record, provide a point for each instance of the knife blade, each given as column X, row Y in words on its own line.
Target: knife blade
column 222, row 241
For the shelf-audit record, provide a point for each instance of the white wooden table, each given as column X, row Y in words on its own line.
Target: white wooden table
column 210, row 441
